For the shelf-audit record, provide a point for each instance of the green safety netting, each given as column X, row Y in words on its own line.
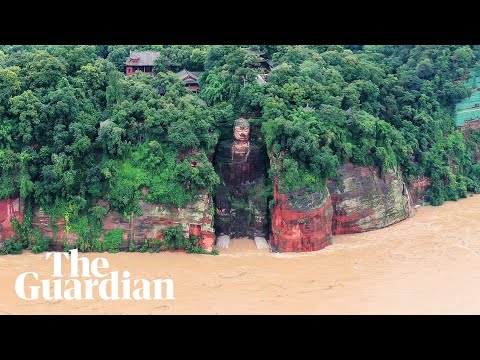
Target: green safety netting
column 469, row 109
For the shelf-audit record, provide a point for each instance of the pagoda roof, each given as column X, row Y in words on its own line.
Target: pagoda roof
column 145, row 58
column 187, row 76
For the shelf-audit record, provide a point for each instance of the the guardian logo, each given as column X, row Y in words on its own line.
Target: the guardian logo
column 91, row 281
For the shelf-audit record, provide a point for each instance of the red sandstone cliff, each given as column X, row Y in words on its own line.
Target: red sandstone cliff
column 358, row 200
column 363, row 200
column 418, row 188
column 301, row 221
column 60, row 238
column 196, row 219
column 9, row 209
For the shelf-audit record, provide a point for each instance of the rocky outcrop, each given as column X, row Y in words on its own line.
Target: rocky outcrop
column 363, row 200
column 356, row 201
column 301, row 221
column 196, row 219
column 9, row 209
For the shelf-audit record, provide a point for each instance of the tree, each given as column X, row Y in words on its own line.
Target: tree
column 464, row 57
column 110, row 138
column 27, row 108
column 10, row 86
column 8, row 170
column 44, row 70
column 424, row 69
column 117, row 54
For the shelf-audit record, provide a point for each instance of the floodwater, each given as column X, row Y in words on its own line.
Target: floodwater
column 428, row 264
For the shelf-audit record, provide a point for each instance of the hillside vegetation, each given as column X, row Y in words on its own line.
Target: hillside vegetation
column 74, row 129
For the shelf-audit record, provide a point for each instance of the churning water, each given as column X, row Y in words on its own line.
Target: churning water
column 429, row 264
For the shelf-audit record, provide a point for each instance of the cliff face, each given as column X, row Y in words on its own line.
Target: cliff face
column 364, row 201
column 357, row 201
column 196, row 219
column 301, row 221
column 9, row 210
column 418, row 188
column 60, row 237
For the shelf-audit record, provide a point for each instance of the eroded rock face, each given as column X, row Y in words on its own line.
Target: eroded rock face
column 357, row 201
column 9, row 209
column 363, row 200
column 196, row 219
column 301, row 221
column 60, row 236
column 418, row 188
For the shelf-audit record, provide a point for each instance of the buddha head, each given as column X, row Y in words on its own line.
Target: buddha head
column 241, row 129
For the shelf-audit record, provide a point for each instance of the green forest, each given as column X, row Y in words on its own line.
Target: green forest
column 74, row 129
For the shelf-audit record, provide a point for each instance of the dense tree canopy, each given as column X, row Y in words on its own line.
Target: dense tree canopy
column 386, row 106
column 74, row 129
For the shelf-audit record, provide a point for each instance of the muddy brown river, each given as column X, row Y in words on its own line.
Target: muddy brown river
column 428, row 264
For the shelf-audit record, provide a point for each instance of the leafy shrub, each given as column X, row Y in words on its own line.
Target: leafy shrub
column 132, row 247
column 113, row 240
column 174, row 238
column 98, row 245
column 40, row 243
column 153, row 245
column 13, row 246
column 194, row 247
column 23, row 231
column 67, row 246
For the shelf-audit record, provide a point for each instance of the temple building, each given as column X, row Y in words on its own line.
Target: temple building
column 141, row 61
column 264, row 62
column 189, row 79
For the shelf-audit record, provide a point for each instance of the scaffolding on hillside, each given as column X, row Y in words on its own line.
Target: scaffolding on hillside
column 469, row 109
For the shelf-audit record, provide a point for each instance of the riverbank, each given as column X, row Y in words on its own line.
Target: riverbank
column 428, row 264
